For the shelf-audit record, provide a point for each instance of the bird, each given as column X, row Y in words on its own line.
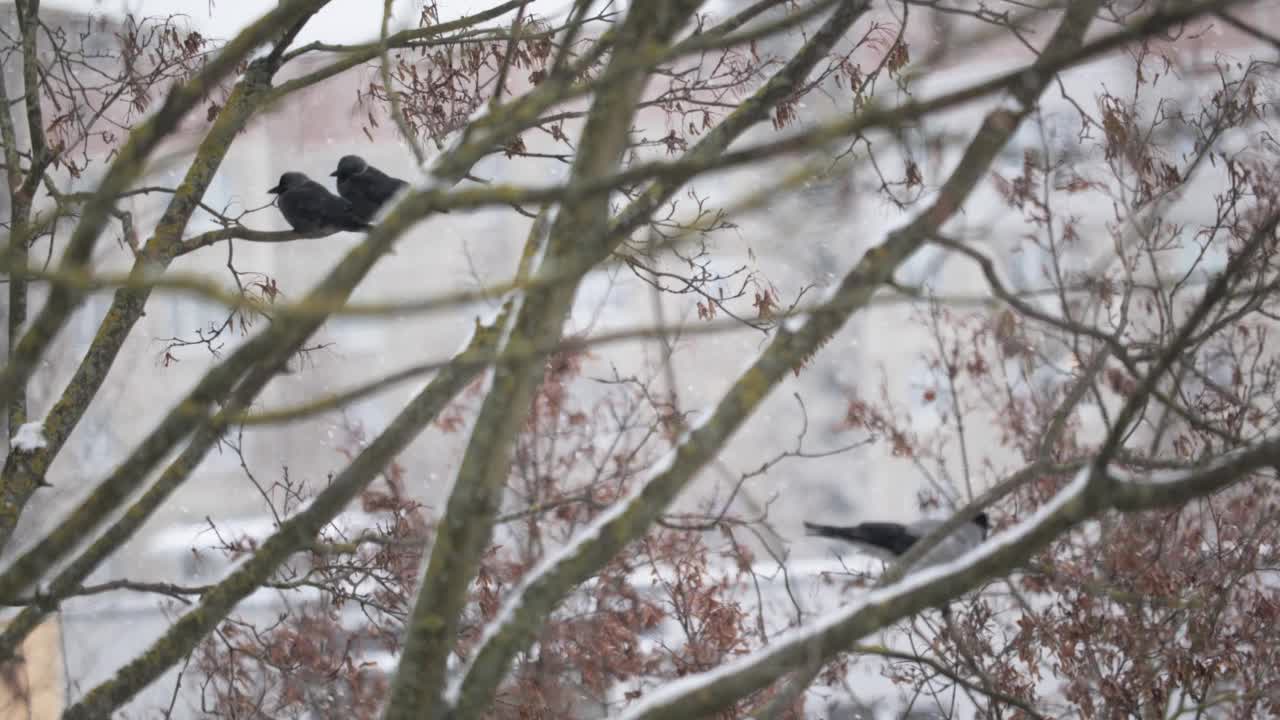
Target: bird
column 310, row 207
column 366, row 187
column 889, row 540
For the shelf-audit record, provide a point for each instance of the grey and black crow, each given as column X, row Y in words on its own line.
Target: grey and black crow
column 890, row 540
column 366, row 187
column 310, row 207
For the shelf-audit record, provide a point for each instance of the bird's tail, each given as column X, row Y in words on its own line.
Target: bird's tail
column 851, row 534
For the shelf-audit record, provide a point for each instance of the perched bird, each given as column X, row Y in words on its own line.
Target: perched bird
column 310, row 207
column 890, row 540
column 366, row 187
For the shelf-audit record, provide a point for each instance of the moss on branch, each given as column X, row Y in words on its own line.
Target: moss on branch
column 576, row 237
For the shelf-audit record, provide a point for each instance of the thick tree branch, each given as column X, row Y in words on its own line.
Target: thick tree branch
column 141, row 510
column 544, row 587
column 297, row 533
column 270, row 349
column 19, row 238
column 1015, row 81
column 41, row 155
column 630, row 518
column 467, row 526
column 22, row 474
column 126, row 168
column 1087, row 496
column 489, row 666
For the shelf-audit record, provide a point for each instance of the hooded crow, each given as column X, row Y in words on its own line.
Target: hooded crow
column 891, row 540
column 309, row 207
column 366, row 187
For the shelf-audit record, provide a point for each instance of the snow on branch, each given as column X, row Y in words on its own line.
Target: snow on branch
column 29, row 438
column 582, row 540
column 1089, row 494
column 700, row 695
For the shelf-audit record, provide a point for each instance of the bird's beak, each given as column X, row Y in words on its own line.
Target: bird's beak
column 276, row 190
column 333, row 174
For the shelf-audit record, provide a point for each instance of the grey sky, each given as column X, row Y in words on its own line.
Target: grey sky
column 344, row 21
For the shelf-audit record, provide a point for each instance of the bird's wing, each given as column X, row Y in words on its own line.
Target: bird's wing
column 893, row 538
column 294, row 206
column 362, row 192
column 328, row 208
column 313, row 199
column 385, row 187
column 355, row 189
column 378, row 186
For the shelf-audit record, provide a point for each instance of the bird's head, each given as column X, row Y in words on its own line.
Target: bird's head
column 349, row 165
column 288, row 181
column 982, row 521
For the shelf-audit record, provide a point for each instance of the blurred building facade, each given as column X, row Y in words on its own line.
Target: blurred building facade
column 806, row 240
